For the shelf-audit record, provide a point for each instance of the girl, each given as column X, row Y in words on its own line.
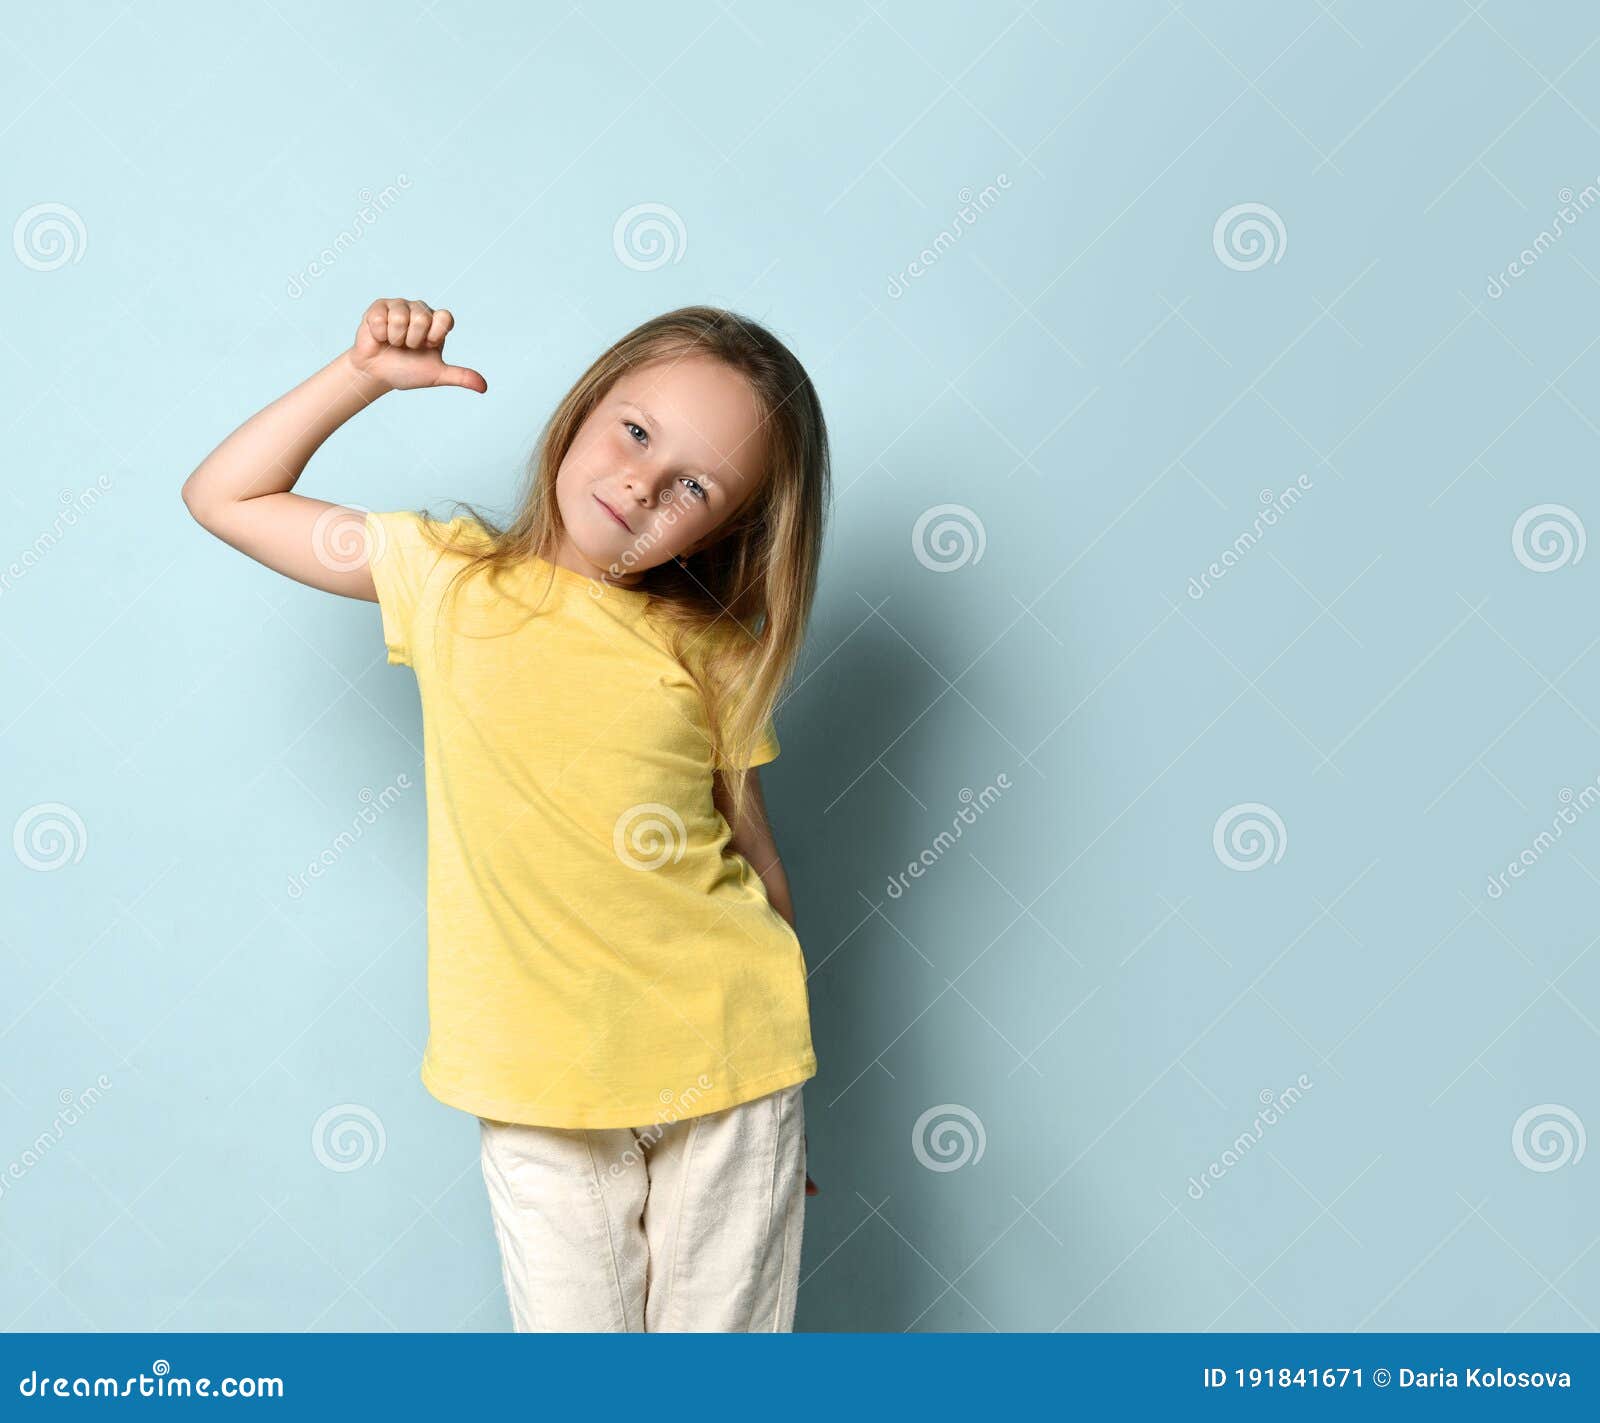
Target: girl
column 615, row 988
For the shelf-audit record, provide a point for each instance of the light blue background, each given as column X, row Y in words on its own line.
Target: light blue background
column 1081, row 972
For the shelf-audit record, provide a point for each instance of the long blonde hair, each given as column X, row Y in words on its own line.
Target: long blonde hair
column 735, row 611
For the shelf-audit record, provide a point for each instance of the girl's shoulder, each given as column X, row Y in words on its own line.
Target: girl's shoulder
column 727, row 635
column 715, row 653
column 437, row 540
column 463, row 531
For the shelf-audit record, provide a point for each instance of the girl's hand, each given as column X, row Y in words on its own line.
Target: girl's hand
column 400, row 345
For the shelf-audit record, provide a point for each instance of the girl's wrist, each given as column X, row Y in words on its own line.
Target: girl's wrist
column 368, row 386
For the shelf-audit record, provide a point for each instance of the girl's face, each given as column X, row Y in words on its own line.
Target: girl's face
column 663, row 461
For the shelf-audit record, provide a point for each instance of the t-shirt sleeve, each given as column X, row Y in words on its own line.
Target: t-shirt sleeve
column 766, row 748
column 399, row 555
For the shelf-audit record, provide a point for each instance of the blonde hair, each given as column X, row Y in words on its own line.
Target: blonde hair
column 735, row 612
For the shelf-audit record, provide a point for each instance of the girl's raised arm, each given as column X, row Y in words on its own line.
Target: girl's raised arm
column 241, row 491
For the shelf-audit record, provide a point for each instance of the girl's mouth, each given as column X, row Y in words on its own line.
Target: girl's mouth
column 618, row 517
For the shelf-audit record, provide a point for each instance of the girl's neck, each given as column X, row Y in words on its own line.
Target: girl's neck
column 568, row 556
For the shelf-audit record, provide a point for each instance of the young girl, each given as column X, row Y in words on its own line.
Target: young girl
column 615, row 988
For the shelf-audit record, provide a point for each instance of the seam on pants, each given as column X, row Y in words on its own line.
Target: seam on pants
column 505, row 1277
column 499, row 1232
column 611, row 1243
column 677, row 1220
column 772, row 1192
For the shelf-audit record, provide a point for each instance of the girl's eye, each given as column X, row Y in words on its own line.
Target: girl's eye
column 699, row 489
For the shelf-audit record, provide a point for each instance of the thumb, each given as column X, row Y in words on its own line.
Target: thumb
column 463, row 376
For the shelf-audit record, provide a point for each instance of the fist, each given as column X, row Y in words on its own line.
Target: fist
column 401, row 344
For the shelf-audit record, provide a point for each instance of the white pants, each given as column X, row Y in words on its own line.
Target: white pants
column 686, row 1226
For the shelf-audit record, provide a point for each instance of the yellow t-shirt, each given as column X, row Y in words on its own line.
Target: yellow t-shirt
column 597, row 956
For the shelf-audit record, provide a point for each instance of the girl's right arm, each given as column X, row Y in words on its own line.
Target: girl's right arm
column 241, row 491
